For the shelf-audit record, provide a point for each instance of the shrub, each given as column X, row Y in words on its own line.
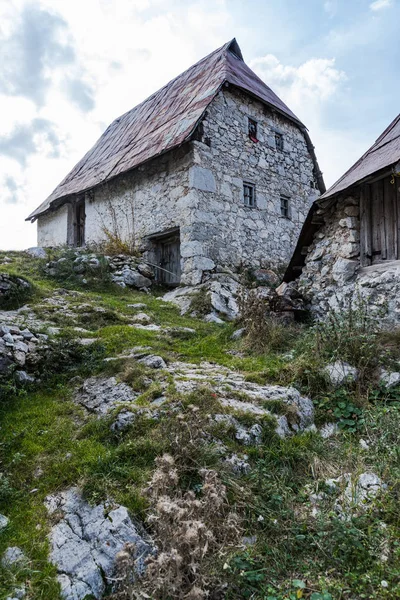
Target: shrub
column 263, row 331
column 201, row 303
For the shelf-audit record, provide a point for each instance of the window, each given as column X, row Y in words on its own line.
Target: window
column 279, row 141
column 285, row 208
column 253, row 130
column 249, row 195
column 379, row 224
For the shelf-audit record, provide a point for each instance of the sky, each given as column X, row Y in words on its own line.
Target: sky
column 68, row 68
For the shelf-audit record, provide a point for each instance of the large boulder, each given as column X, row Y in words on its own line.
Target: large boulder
column 85, row 541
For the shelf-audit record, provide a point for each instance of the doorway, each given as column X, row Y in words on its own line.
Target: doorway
column 167, row 251
column 79, row 223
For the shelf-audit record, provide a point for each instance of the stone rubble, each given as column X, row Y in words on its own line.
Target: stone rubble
column 19, row 348
column 389, row 379
column 3, row 522
column 85, row 541
column 13, row 556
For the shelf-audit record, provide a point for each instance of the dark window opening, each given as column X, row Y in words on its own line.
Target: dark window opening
column 249, row 195
column 279, row 141
column 285, row 209
column 253, row 130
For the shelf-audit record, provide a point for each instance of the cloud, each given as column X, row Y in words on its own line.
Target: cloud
column 38, row 52
column 315, row 81
column 28, row 138
column 80, row 93
column 11, row 187
column 330, row 7
column 380, row 4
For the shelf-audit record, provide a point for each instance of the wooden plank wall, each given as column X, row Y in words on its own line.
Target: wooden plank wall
column 379, row 211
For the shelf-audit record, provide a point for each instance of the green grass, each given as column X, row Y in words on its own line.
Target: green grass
column 43, row 428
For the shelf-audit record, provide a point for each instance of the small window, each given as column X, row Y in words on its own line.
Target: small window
column 279, row 141
column 253, row 130
column 285, row 208
column 249, row 194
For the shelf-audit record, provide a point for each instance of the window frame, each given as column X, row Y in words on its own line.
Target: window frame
column 285, row 209
column 252, row 123
column 279, row 145
column 251, row 186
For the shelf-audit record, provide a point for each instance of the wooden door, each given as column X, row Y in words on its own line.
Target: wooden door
column 170, row 261
column 379, row 222
column 80, row 223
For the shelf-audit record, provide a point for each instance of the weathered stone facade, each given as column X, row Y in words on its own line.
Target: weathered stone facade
column 333, row 278
column 198, row 189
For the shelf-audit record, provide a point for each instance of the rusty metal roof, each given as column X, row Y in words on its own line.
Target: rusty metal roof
column 163, row 121
column 383, row 153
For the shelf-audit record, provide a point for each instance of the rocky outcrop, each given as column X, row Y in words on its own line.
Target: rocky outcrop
column 100, row 395
column 85, row 540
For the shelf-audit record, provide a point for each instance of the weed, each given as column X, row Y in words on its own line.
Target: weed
column 200, row 303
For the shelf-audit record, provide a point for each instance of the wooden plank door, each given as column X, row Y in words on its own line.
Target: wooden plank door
column 171, row 261
column 80, row 223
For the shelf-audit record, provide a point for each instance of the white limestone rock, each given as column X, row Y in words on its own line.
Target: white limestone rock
column 389, row 379
column 13, row 556
column 101, row 394
column 153, row 361
column 36, row 252
column 85, row 540
column 3, row 522
column 340, row 372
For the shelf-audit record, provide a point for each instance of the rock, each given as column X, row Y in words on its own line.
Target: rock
column 23, row 377
column 28, row 335
column 85, row 541
column 141, row 318
column 344, row 269
column 389, row 379
column 123, row 420
column 222, row 297
column 153, row 361
column 328, row 430
column 18, row 593
column 356, row 493
column 36, row 252
column 213, row 318
column 21, row 346
column 236, row 335
column 101, row 394
column 266, row 277
column 146, row 270
column 6, row 365
column 14, row 291
column 133, row 279
column 364, row 445
column 3, row 330
column 341, row 372
column 12, row 556
column 3, row 522
column 8, row 339
column 19, row 358
column 138, row 305
column 238, row 465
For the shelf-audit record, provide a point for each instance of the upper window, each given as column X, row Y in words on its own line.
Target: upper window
column 249, row 195
column 285, row 207
column 253, row 130
column 279, row 141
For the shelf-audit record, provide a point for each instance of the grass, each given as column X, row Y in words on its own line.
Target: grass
column 48, row 444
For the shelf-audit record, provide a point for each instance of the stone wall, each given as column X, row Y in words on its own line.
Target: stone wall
column 233, row 233
column 198, row 188
column 52, row 228
column 332, row 277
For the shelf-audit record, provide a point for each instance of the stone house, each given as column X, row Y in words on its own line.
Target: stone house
column 212, row 171
column 349, row 246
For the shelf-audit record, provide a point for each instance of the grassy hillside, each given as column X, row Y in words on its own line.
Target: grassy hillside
column 290, row 540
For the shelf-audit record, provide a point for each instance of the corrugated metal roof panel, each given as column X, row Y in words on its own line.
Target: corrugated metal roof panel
column 162, row 122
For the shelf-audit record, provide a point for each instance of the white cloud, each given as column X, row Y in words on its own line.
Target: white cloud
column 309, row 90
column 380, row 4
column 102, row 58
column 330, row 7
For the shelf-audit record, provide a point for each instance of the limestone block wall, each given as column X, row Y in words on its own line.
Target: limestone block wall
column 332, row 277
column 230, row 232
column 52, row 228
